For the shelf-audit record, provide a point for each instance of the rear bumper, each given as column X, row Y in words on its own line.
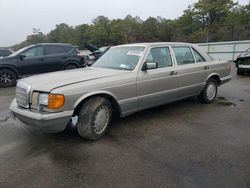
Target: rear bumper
column 244, row 66
column 225, row 79
column 46, row 122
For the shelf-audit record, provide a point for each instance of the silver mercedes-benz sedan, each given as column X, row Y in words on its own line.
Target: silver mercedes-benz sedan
column 126, row 79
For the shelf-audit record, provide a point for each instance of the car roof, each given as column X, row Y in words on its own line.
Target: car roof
column 152, row 44
column 53, row 44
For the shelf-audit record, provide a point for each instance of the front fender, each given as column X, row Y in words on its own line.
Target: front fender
column 100, row 92
column 5, row 66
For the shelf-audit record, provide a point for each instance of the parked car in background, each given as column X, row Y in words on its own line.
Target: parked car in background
column 39, row 58
column 243, row 62
column 4, row 52
column 96, row 53
column 125, row 80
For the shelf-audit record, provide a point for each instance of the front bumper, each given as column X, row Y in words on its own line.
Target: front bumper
column 46, row 122
column 226, row 79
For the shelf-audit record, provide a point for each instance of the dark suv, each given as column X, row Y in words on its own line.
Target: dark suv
column 39, row 58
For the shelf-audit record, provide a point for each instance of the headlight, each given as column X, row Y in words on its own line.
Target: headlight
column 43, row 99
column 51, row 101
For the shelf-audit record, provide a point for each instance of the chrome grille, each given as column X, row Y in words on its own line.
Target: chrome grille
column 22, row 94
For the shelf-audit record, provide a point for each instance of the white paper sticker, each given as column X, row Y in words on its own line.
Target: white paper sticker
column 135, row 52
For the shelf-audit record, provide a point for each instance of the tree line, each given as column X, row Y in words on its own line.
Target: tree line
column 204, row 21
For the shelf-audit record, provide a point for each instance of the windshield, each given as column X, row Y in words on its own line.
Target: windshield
column 103, row 48
column 123, row 58
column 18, row 51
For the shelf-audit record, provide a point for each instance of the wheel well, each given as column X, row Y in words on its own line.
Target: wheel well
column 114, row 104
column 217, row 78
column 17, row 75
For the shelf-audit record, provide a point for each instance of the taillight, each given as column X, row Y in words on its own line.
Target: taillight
column 81, row 57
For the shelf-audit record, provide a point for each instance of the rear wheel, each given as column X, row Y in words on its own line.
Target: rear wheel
column 7, row 78
column 70, row 66
column 94, row 118
column 209, row 93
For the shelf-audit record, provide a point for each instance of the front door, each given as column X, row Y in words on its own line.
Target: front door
column 32, row 61
column 157, row 86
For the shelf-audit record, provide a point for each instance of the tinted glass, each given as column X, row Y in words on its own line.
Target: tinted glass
column 183, row 55
column 197, row 56
column 160, row 56
column 67, row 48
column 50, row 50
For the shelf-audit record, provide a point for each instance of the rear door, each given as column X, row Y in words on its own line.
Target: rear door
column 55, row 56
column 157, row 86
column 192, row 70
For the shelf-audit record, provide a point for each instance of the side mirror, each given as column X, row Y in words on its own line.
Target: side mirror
column 22, row 56
column 149, row 66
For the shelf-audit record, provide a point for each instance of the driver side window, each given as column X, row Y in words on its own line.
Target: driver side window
column 34, row 52
column 160, row 55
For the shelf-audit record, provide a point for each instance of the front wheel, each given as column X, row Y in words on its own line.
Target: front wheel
column 94, row 118
column 240, row 71
column 7, row 78
column 209, row 93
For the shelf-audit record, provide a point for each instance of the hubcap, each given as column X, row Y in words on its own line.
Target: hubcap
column 101, row 119
column 6, row 78
column 211, row 91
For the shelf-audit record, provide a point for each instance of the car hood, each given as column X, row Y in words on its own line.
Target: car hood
column 49, row 81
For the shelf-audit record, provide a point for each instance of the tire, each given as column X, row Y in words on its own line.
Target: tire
column 94, row 118
column 240, row 71
column 70, row 66
column 209, row 93
column 7, row 78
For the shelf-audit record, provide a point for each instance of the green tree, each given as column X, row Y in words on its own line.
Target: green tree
column 62, row 33
column 211, row 13
column 100, row 31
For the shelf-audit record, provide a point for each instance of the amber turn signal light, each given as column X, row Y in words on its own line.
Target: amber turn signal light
column 55, row 101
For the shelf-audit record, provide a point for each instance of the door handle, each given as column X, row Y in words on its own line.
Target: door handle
column 173, row 73
column 206, row 68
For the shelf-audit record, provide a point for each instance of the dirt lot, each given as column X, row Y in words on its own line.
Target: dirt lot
column 184, row 144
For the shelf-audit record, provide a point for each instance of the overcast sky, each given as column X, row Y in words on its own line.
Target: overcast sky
column 18, row 17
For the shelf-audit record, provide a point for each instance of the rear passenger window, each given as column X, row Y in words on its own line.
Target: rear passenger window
column 160, row 55
column 183, row 55
column 51, row 50
column 197, row 56
column 67, row 48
